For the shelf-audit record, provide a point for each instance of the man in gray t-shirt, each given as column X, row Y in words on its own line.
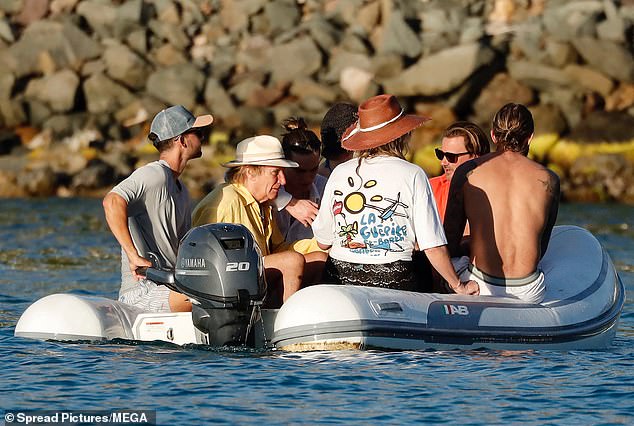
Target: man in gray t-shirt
column 150, row 211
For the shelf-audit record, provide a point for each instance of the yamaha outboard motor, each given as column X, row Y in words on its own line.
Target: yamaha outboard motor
column 219, row 266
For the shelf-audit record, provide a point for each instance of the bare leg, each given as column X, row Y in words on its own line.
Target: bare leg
column 284, row 273
column 179, row 302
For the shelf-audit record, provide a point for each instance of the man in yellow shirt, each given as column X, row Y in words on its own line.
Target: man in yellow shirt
column 252, row 181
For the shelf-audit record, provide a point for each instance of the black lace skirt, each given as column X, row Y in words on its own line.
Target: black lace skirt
column 399, row 275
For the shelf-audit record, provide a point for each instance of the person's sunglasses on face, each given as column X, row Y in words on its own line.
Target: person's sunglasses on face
column 452, row 157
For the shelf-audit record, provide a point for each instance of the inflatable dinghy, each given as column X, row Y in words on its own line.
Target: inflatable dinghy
column 220, row 269
column 583, row 301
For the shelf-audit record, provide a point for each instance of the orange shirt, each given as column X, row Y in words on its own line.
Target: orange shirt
column 440, row 188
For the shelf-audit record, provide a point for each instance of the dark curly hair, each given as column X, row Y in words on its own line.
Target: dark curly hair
column 335, row 122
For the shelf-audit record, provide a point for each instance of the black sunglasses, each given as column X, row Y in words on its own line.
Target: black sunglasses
column 452, row 157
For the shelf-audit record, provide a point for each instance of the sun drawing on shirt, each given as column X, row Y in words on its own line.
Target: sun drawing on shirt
column 355, row 202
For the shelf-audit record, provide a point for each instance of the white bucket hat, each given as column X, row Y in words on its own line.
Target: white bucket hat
column 260, row 151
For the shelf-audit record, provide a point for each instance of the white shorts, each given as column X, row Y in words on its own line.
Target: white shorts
column 530, row 289
column 148, row 296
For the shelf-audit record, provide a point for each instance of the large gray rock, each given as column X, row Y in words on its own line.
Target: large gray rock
column 573, row 19
column 537, row 76
column 590, row 79
column 32, row 10
column 218, row 100
column 341, row 59
column 66, row 44
column 254, row 53
column 129, row 18
column 611, row 58
column 179, row 84
column 6, row 33
column 56, row 90
column 100, row 15
column 6, row 85
column 299, row 58
column 104, row 95
column 323, row 32
column 170, row 32
column 12, row 112
column 440, row 73
column 306, row 87
column 125, row 66
column 613, row 27
column 282, row 15
column 11, row 6
column 399, row 38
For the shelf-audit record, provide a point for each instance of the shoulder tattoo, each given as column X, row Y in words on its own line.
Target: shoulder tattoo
column 549, row 185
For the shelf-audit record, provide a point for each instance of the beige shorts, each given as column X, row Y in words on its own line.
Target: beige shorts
column 530, row 289
column 148, row 296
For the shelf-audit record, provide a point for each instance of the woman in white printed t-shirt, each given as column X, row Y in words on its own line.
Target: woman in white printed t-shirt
column 378, row 207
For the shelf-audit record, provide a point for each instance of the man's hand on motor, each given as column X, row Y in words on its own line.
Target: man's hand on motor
column 136, row 263
column 305, row 211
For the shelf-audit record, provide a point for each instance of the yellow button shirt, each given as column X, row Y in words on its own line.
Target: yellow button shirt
column 233, row 203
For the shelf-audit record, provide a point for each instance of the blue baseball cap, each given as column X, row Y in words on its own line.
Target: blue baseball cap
column 175, row 121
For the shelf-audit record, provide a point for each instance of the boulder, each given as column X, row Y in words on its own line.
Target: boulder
column 282, row 15
column 12, row 112
column 572, row 19
column 323, row 32
column 501, row 90
column 169, row 32
column 537, row 76
column 178, row 84
column 399, row 38
column 590, row 79
column 611, row 58
column 57, row 90
column 218, row 100
column 32, row 10
column 125, row 66
column 254, row 53
column 306, row 87
column 100, row 15
column 357, row 84
column 104, row 95
column 38, row 181
column 548, row 119
column 66, row 44
column 299, row 58
column 97, row 174
column 6, row 33
column 440, row 73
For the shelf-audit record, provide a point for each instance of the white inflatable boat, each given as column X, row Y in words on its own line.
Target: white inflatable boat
column 581, row 310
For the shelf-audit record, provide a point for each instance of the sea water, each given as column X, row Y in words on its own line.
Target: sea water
column 63, row 245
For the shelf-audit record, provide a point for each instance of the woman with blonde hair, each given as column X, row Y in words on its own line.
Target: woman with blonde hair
column 377, row 207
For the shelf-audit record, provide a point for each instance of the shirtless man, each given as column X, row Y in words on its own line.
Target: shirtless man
column 511, row 203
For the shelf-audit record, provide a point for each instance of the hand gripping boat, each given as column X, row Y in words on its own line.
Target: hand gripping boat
column 219, row 267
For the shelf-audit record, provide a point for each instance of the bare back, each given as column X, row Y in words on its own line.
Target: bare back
column 511, row 204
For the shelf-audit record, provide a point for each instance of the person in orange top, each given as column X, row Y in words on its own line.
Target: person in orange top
column 462, row 141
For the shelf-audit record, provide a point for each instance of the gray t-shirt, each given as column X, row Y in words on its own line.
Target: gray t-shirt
column 159, row 215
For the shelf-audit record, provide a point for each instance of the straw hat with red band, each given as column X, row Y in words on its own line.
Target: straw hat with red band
column 381, row 120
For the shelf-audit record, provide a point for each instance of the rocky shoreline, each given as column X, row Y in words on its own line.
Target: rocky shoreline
column 82, row 78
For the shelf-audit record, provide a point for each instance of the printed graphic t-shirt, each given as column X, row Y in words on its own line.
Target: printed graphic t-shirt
column 378, row 214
